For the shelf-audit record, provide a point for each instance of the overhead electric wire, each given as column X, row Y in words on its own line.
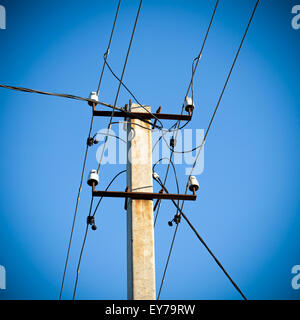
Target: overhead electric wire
column 167, row 263
column 200, row 54
column 193, row 68
column 215, row 110
column 214, row 257
column 110, row 135
column 108, row 47
column 202, row 48
column 115, row 108
column 70, row 96
column 85, row 159
column 75, row 213
column 87, row 228
column 202, row 241
column 82, row 248
column 132, row 95
column 175, row 175
column 173, row 150
column 111, row 182
column 156, row 143
column 120, row 83
column 132, row 124
column 61, row 95
column 177, row 124
column 164, row 132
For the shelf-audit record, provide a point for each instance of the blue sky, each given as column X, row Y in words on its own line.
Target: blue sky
column 248, row 203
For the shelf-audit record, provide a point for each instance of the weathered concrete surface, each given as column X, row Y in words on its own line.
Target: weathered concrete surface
column 140, row 239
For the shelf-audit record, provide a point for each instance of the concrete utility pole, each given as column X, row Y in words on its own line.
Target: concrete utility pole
column 140, row 230
column 139, row 191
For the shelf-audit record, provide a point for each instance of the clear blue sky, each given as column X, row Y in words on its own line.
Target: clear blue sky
column 248, row 204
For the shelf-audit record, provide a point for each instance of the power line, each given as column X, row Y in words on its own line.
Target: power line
column 82, row 248
column 167, row 263
column 111, row 182
column 110, row 135
column 200, row 54
column 193, row 70
column 214, row 257
column 61, row 95
column 177, row 124
column 175, row 175
column 201, row 240
column 108, row 47
column 121, row 80
column 133, row 124
column 75, row 213
column 70, row 96
column 202, row 48
column 224, row 88
column 218, row 103
column 231, row 69
column 173, row 150
column 84, row 162
column 87, row 229
column 132, row 95
column 179, row 121
column 106, row 138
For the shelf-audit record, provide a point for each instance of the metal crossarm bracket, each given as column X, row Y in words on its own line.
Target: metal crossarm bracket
column 144, row 195
column 143, row 115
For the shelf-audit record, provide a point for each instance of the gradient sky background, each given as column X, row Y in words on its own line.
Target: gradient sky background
column 248, row 204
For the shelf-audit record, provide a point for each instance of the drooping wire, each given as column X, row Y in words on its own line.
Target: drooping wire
column 108, row 47
column 214, row 113
column 121, row 80
column 180, row 152
column 200, row 54
column 111, row 135
column 133, row 124
column 61, row 95
column 201, row 240
column 176, row 179
column 202, row 48
column 132, row 95
column 156, row 143
column 70, row 96
column 177, row 124
column 111, row 182
column 87, row 229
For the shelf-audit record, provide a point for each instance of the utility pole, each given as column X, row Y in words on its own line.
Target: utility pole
column 139, row 196
column 140, row 229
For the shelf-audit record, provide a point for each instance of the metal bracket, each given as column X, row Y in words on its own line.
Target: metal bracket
column 157, row 201
column 145, row 195
column 126, row 199
column 143, row 115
